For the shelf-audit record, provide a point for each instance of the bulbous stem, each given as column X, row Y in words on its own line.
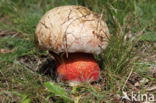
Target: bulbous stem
column 81, row 67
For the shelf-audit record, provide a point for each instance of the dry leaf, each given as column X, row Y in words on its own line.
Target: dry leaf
column 97, row 87
column 4, row 51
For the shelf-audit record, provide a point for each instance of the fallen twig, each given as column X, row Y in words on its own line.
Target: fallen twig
column 153, row 88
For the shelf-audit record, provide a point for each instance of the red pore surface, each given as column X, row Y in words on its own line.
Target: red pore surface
column 78, row 67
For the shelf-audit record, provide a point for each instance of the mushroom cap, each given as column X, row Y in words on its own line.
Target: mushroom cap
column 72, row 29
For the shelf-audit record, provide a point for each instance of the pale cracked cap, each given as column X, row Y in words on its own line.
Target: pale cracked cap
column 72, row 29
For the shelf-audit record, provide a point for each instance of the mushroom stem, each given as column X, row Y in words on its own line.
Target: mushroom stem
column 79, row 67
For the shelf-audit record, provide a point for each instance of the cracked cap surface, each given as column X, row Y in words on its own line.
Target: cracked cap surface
column 72, row 29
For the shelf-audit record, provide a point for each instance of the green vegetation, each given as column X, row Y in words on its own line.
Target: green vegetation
column 131, row 48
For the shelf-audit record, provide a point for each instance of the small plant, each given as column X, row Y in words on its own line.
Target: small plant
column 58, row 91
column 25, row 99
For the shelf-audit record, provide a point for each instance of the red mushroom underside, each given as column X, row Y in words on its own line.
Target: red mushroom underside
column 79, row 67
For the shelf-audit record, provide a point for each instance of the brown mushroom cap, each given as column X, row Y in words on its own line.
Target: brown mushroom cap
column 72, row 29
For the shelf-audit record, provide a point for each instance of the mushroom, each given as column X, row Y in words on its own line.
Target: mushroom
column 73, row 34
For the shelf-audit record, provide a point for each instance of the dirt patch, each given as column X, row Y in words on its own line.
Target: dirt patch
column 44, row 64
